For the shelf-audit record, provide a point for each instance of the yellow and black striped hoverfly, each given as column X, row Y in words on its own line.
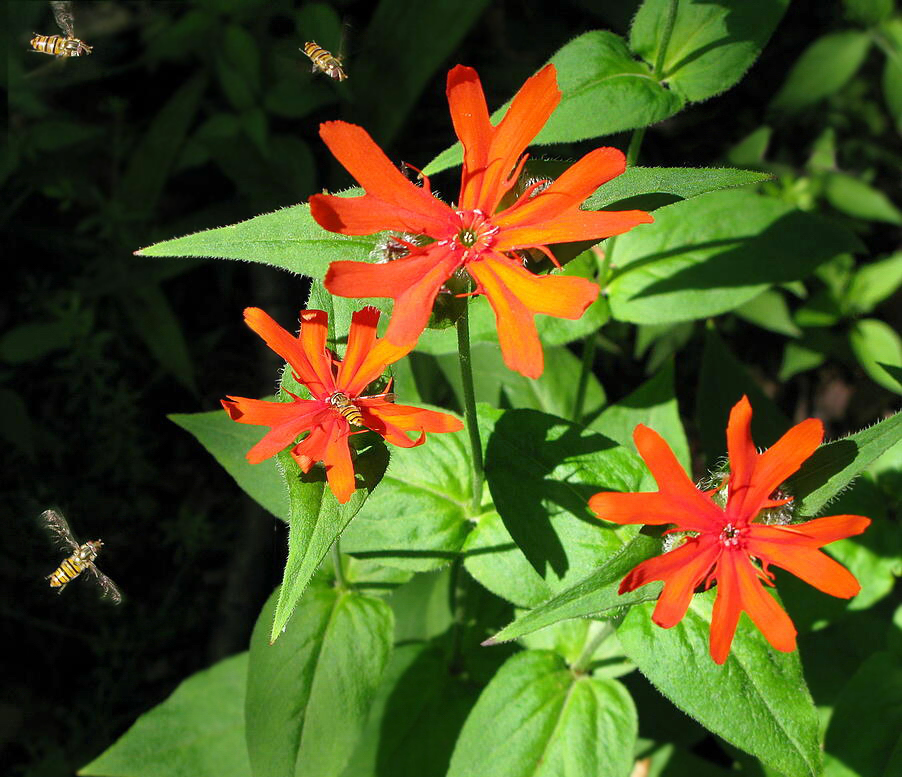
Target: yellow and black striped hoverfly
column 324, row 61
column 81, row 558
column 65, row 45
column 346, row 407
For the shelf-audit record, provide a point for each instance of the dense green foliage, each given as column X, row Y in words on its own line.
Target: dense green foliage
column 444, row 637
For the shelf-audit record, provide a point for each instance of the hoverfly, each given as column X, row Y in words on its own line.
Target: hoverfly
column 65, row 45
column 81, row 558
column 324, row 61
column 346, row 407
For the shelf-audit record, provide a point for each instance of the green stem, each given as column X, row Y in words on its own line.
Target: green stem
column 669, row 21
column 632, row 153
column 604, row 631
column 466, row 376
column 336, row 562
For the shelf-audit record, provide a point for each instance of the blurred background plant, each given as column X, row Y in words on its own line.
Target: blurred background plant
column 196, row 114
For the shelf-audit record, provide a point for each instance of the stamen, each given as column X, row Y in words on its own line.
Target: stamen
column 730, row 536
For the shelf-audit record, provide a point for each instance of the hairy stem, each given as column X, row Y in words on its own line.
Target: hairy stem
column 466, row 376
column 669, row 21
column 604, row 630
column 336, row 562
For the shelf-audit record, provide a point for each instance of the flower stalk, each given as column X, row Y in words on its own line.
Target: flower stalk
column 466, row 377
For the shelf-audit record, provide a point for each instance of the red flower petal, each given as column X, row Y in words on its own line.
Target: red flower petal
column 782, row 546
column 680, row 582
column 754, row 477
column 312, row 448
column 328, row 443
column 287, row 419
column 738, row 589
column 470, row 117
column 339, row 467
column 653, row 508
column 571, row 227
column 313, row 334
column 365, row 357
column 530, row 109
column 567, row 192
column 391, row 200
column 310, row 368
column 393, row 421
column 696, row 509
column 517, row 295
column 831, row 528
column 412, row 282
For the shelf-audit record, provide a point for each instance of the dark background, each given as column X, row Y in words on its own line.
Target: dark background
column 98, row 345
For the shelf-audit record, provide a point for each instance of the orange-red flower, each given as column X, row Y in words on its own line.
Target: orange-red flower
column 730, row 544
column 471, row 235
column 337, row 404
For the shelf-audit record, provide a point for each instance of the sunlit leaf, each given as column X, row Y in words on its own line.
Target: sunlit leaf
column 537, row 717
column 712, row 44
column 229, row 443
column 712, row 253
column 197, row 731
column 757, row 699
column 315, row 520
column 309, row 694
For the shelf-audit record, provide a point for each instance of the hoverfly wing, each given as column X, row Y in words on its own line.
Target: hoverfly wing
column 59, row 530
column 62, row 12
column 108, row 589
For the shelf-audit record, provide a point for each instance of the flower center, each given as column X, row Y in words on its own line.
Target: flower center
column 730, row 536
column 475, row 233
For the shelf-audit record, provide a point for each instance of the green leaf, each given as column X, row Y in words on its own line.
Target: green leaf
column 871, row 702
column 541, row 471
column 877, row 346
column 197, row 732
column 757, row 699
column 713, row 253
column 288, row 238
column 401, row 37
column 419, row 516
column 416, row 717
column 536, row 717
column 868, row 12
column 553, row 392
column 722, row 383
column 873, row 283
column 824, row 68
column 892, row 75
column 604, row 91
column 552, row 331
column 309, row 694
column 594, row 595
column 156, row 323
column 799, row 357
column 33, row 340
column 315, row 520
column 769, row 311
column 750, row 151
column 712, row 44
column 678, row 182
column 150, row 163
column 835, row 465
column 860, row 200
column 229, row 443
column 422, row 606
column 653, row 404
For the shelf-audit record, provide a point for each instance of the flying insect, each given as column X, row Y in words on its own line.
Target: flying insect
column 65, row 45
column 81, row 558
